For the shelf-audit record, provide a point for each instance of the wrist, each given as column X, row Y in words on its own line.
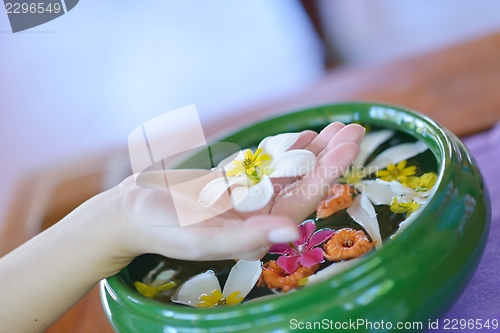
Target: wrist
column 97, row 226
column 67, row 259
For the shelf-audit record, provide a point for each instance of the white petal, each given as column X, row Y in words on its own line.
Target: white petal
column 378, row 193
column 278, row 144
column 164, row 277
column 227, row 161
column 396, row 187
column 369, row 144
column 419, row 200
column 363, row 213
column 149, row 277
column 403, row 225
column 396, row 154
column 401, row 192
column 367, row 205
column 331, row 270
column 249, row 199
column 423, row 195
column 190, row 291
column 292, row 163
column 242, row 277
column 216, row 188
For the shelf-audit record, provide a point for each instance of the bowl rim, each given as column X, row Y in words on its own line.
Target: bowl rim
column 119, row 289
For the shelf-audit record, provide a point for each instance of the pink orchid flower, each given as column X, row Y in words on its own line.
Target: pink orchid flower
column 303, row 250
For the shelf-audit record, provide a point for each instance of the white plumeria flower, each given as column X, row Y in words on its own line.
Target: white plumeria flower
column 251, row 172
column 203, row 290
column 373, row 192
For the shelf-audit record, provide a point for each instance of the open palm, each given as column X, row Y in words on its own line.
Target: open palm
column 152, row 220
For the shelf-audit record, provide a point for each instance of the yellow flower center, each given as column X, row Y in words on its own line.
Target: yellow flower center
column 249, row 164
column 218, row 299
column 399, row 172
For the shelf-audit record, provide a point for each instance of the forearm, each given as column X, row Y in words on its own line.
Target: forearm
column 47, row 275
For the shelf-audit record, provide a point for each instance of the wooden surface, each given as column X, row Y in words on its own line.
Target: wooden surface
column 459, row 87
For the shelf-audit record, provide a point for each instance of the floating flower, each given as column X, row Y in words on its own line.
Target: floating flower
column 250, row 173
column 304, row 250
column 275, row 277
column 204, row 291
column 408, row 199
column 162, row 283
column 372, row 192
column 418, row 192
column 398, row 172
column 347, row 244
column 339, row 197
column 403, row 207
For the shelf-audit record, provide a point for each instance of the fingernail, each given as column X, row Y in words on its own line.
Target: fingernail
column 284, row 235
column 357, row 135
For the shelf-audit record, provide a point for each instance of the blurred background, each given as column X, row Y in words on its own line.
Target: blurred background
column 73, row 89
column 76, row 87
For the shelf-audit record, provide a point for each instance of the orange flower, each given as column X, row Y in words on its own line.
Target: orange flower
column 275, row 277
column 339, row 197
column 347, row 244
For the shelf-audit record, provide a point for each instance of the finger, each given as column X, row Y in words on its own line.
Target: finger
column 320, row 141
column 316, row 145
column 259, row 233
column 333, row 135
column 300, row 200
column 350, row 133
column 257, row 254
column 235, row 239
column 304, row 140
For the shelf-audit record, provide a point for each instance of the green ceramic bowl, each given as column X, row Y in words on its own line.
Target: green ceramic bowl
column 415, row 277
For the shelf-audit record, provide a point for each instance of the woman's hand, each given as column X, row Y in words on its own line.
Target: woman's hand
column 146, row 221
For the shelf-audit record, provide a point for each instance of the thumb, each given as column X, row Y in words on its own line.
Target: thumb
column 252, row 238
